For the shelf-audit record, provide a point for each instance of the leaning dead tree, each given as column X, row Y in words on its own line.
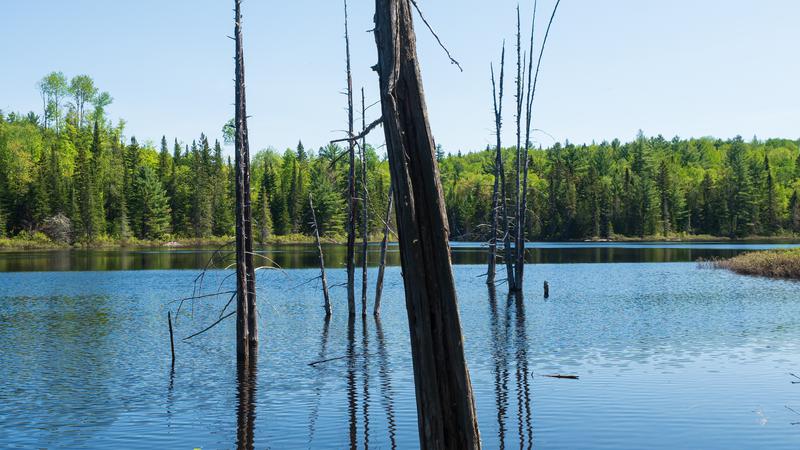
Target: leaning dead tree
column 499, row 189
column 351, row 180
column 322, row 276
column 246, row 314
column 445, row 403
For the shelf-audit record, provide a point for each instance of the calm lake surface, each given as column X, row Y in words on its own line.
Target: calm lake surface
column 669, row 354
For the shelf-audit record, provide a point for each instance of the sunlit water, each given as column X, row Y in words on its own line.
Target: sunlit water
column 670, row 355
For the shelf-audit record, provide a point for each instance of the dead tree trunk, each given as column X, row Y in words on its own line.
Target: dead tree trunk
column 513, row 283
column 351, row 180
column 445, row 403
column 499, row 171
column 376, row 310
column 323, row 277
column 365, row 207
column 529, row 96
column 246, row 324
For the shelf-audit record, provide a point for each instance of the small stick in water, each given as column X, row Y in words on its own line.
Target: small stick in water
column 171, row 338
column 563, row 377
column 546, row 290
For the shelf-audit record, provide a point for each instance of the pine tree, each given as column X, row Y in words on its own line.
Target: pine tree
column 131, row 166
column 770, row 220
column 37, row 206
column 263, row 216
column 665, row 192
column 56, row 190
column 221, row 203
column 201, row 219
column 2, row 220
column 329, row 206
column 88, row 210
column 150, row 211
column 163, row 162
column 794, row 210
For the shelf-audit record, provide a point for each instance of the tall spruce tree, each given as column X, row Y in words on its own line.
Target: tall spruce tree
column 150, row 210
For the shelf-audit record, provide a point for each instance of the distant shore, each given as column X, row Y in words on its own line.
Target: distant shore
column 771, row 263
column 38, row 241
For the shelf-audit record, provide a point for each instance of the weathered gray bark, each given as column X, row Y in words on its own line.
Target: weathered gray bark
column 323, row 277
column 351, row 180
column 530, row 92
column 376, row 309
column 365, row 207
column 246, row 317
column 445, row 403
column 513, row 283
column 499, row 171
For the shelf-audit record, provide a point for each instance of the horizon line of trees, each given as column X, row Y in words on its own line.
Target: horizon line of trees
column 72, row 174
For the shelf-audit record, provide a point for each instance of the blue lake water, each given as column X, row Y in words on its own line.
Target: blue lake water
column 669, row 354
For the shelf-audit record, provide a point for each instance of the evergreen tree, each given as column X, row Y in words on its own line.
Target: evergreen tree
column 770, row 220
column 221, row 203
column 263, row 216
column 37, row 207
column 794, row 210
column 89, row 212
column 329, row 206
column 164, row 170
column 150, row 211
column 665, row 192
column 56, row 190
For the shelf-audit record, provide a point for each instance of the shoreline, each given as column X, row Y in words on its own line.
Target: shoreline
column 38, row 243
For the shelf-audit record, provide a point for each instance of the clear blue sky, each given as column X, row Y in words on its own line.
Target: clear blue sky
column 682, row 67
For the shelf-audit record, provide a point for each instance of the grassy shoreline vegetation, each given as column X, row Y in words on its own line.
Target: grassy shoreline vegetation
column 772, row 264
column 71, row 177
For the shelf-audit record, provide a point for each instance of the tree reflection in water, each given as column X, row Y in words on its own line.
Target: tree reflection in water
column 246, row 404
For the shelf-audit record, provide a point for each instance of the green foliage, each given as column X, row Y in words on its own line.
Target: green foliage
column 150, row 207
column 69, row 163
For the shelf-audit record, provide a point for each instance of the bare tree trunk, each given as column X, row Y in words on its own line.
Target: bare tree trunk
column 523, row 206
column 376, row 310
column 530, row 94
column 365, row 206
column 323, row 277
column 246, row 326
column 351, row 181
column 445, row 402
column 499, row 171
column 513, row 283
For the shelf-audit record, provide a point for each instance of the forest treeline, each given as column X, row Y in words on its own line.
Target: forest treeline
column 71, row 174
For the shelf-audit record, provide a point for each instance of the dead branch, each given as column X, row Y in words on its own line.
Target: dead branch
column 430, row 28
column 210, row 326
column 360, row 136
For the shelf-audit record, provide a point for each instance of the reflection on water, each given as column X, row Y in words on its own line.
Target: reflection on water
column 246, row 404
column 505, row 342
column 296, row 256
column 669, row 356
